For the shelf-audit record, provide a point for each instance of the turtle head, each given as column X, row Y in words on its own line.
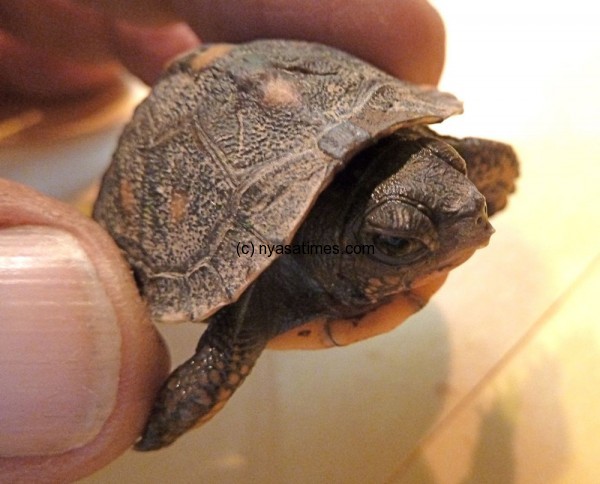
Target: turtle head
column 409, row 211
column 425, row 218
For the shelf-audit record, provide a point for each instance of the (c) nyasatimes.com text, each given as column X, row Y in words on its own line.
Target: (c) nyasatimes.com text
column 250, row 249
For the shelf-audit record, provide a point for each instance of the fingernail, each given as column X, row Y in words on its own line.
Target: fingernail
column 59, row 344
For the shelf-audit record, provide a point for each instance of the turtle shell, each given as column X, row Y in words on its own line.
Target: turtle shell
column 230, row 151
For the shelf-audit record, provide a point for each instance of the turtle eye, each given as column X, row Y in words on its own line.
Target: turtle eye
column 399, row 231
column 393, row 249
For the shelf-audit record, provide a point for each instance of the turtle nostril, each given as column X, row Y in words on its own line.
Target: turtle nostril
column 485, row 208
column 480, row 218
column 481, row 212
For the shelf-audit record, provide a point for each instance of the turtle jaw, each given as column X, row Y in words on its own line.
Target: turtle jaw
column 469, row 234
column 443, row 269
column 458, row 236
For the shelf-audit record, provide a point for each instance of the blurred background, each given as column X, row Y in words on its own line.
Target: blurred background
column 497, row 380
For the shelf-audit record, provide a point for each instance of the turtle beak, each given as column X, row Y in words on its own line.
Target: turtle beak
column 473, row 234
column 481, row 229
column 473, row 228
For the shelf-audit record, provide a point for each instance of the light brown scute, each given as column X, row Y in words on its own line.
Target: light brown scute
column 179, row 203
column 128, row 201
column 207, row 57
column 280, row 92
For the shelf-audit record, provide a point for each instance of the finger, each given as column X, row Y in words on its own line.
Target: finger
column 35, row 72
column 89, row 36
column 40, row 57
column 43, row 24
column 404, row 37
column 80, row 361
column 145, row 51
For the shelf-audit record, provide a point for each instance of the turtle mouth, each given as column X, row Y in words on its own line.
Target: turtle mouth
column 471, row 232
column 458, row 259
column 455, row 260
column 471, row 236
column 477, row 236
column 482, row 233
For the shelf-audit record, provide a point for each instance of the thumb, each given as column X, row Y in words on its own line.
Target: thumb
column 80, row 362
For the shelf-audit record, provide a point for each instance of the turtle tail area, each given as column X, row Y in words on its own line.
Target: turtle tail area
column 201, row 386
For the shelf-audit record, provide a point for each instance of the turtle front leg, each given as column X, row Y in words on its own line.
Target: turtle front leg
column 492, row 167
column 200, row 387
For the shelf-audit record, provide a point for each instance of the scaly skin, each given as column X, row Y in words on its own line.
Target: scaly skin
column 200, row 387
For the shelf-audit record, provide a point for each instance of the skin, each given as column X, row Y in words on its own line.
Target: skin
column 144, row 361
column 417, row 228
column 405, row 38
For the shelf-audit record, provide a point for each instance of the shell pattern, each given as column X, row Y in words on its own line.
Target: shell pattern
column 233, row 146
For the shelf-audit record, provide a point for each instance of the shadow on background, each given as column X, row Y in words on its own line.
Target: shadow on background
column 520, row 420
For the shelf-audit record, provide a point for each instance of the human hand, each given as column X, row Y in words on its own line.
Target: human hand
column 45, row 244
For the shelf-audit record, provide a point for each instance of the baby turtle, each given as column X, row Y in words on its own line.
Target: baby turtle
column 287, row 193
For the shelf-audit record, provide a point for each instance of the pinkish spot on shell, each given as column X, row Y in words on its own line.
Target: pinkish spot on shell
column 280, row 92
